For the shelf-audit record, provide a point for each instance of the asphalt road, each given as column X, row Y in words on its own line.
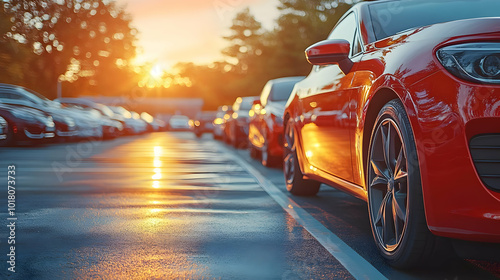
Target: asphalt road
column 170, row 206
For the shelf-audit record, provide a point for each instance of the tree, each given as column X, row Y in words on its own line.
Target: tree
column 301, row 24
column 13, row 55
column 249, row 53
column 90, row 40
column 260, row 55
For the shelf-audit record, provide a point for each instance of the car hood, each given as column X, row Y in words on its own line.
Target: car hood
column 23, row 109
column 54, row 112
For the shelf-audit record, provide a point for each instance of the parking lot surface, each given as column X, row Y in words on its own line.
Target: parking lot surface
column 168, row 205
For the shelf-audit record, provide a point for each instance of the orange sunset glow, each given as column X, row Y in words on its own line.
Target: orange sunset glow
column 211, row 52
column 188, row 31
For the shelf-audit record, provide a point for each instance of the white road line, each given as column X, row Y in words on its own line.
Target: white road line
column 129, row 170
column 352, row 261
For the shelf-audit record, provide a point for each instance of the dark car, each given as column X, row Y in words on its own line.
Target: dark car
column 203, row 123
column 402, row 110
column 26, row 124
column 265, row 130
column 19, row 96
column 236, row 127
column 220, row 122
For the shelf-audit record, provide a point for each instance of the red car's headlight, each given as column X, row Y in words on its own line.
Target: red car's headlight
column 476, row 62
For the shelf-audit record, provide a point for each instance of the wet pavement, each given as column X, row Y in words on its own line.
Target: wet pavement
column 170, row 206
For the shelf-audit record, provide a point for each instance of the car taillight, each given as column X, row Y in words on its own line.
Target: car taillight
column 475, row 62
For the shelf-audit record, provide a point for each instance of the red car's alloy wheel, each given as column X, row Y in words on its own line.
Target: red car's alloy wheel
column 395, row 200
column 388, row 179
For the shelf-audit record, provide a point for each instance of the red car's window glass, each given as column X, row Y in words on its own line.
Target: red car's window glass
column 390, row 18
column 345, row 29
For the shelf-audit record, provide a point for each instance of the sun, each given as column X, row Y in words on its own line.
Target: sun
column 156, row 72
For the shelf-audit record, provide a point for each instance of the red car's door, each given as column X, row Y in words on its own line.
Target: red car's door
column 326, row 115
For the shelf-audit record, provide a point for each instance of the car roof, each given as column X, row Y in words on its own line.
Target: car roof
column 250, row 97
column 288, row 79
column 76, row 101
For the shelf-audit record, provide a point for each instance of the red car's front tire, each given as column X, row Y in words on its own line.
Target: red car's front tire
column 395, row 199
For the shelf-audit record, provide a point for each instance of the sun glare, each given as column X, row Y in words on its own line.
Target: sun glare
column 156, row 72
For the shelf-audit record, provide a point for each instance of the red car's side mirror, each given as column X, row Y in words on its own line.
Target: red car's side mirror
column 329, row 52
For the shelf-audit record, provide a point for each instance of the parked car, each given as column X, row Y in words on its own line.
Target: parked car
column 131, row 125
column 219, row 122
column 178, row 123
column 420, row 140
column 111, row 123
column 152, row 123
column 143, row 126
column 236, row 127
column 89, row 122
column 25, row 124
column 3, row 130
column 265, row 130
column 203, row 123
column 19, row 96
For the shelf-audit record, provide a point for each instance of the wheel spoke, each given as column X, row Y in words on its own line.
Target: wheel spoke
column 379, row 183
column 385, row 131
column 398, row 206
column 400, row 174
column 381, row 210
column 380, row 220
column 289, row 143
column 288, row 165
column 380, row 176
column 290, row 169
column 398, row 215
column 388, row 146
column 387, row 218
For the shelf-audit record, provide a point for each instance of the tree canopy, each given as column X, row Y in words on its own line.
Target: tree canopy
column 89, row 44
column 86, row 42
column 256, row 55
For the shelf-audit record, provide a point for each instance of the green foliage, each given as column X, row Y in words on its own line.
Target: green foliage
column 10, row 53
column 256, row 55
column 90, row 44
column 303, row 23
column 86, row 40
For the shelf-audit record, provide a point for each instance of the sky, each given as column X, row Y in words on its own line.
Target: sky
column 172, row 31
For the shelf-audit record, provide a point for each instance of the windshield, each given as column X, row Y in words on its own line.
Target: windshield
column 246, row 104
column 281, row 91
column 179, row 118
column 390, row 18
column 28, row 91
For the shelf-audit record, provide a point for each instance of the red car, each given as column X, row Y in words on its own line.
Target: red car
column 265, row 130
column 402, row 110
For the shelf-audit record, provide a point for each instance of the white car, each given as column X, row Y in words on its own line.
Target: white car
column 179, row 123
column 132, row 120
